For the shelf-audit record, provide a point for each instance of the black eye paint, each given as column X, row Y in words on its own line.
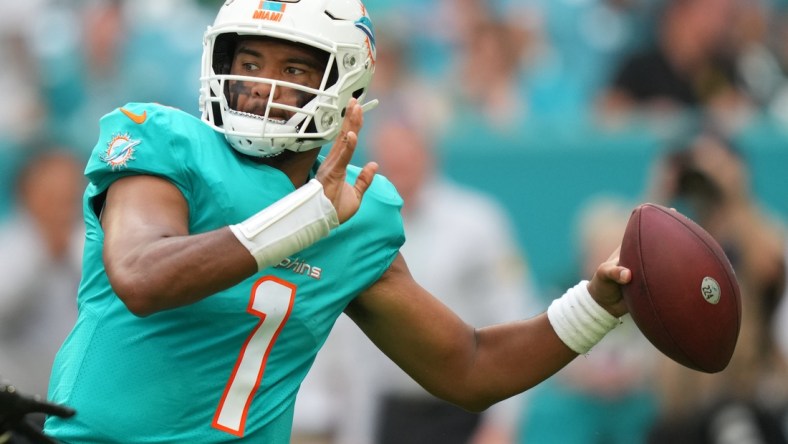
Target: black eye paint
column 302, row 97
column 235, row 90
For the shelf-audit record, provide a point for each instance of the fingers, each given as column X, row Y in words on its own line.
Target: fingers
column 14, row 403
column 54, row 409
column 348, row 148
column 621, row 275
column 350, row 128
column 32, row 404
column 610, row 271
column 348, row 134
column 364, row 179
column 624, row 275
column 354, row 117
column 344, row 146
column 615, row 272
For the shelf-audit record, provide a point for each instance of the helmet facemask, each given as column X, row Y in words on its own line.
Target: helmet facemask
column 268, row 130
column 286, row 126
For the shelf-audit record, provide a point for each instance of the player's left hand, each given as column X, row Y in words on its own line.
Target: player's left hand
column 345, row 197
column 15, row 406
column 605, row 286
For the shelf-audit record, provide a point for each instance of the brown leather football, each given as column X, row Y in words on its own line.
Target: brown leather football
column 683, row 296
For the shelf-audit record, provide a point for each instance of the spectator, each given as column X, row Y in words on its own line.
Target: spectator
column 40, row 268
column 21, row 112
column 690, row 67
column 486, row 90
column 114, row 51
column 489, row 81
column 708, row 181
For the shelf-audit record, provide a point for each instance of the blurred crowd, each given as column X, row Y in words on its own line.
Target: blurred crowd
column 701, row 77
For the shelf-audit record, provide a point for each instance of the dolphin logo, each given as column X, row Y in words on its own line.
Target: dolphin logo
column 365, row 25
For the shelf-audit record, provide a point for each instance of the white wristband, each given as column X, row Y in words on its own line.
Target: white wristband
column 289, row 225
column 579, row 320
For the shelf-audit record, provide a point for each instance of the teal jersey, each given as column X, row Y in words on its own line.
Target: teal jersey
column 227, row 368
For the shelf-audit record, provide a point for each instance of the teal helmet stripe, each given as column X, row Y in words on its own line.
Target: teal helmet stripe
column 365, row 25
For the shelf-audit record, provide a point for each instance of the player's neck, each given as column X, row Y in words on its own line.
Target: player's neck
column 297, row 166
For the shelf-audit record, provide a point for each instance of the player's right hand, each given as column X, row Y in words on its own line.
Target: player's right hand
column 345, row 197
column 15, row 406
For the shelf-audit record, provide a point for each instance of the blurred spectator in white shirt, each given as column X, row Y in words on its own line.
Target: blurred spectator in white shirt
column 40, row 268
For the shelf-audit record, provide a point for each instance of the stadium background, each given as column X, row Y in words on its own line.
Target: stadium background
column 69, row 62
column 542, row 168
column 540, row 144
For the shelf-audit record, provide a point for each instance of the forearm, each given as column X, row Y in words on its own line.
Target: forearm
column 179, row 270
column 508, row 359
column 524, row 353
column 483, row 366
column 472, row 368
column 154, row 263
column 475, row 368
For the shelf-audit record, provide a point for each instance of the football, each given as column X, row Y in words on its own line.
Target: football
column 683, row 295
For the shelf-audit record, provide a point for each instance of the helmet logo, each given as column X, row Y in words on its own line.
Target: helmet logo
column 365, row 25
column 269, row 10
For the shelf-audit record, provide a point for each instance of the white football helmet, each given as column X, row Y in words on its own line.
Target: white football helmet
column 341, row 28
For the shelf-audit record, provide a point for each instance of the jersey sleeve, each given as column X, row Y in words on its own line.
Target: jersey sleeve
column 380, row 221
column 139, row 139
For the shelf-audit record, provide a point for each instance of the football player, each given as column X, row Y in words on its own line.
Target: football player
column 220, row 251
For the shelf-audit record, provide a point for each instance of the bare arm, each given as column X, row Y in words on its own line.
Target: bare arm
column 152, row 261
column 472, row 368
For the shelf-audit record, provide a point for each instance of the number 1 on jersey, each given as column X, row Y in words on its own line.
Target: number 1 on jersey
column 271, row 300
